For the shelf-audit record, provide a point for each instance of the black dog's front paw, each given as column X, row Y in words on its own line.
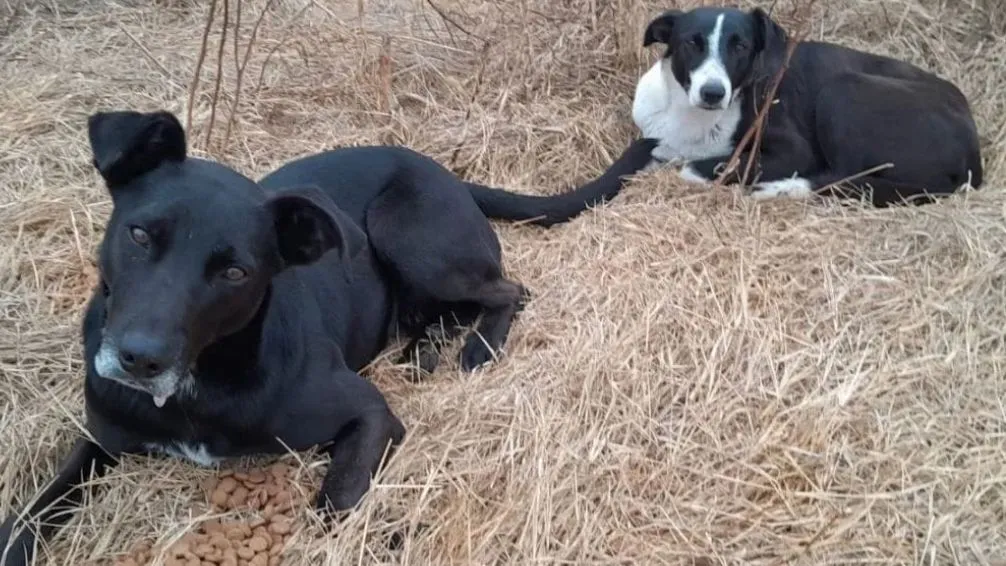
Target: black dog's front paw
column 335, row 503
column 475, row 353
column 16, row 551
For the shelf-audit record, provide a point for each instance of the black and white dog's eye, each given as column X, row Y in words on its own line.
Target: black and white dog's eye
column 740, row 47
column 695, row 42
column 140, row 236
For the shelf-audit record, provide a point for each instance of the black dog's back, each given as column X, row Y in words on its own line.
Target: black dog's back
column 354, row 176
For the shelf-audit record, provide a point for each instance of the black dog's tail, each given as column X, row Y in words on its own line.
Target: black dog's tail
column 548, row 210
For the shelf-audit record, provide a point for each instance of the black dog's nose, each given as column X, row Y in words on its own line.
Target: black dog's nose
column 712, row 93
column 143, row 356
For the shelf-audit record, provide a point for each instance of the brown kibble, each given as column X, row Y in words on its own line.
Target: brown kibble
column 236, row 534
column 240, row 496
column 260, row 560
column 274, row 560
column 258, row 544
column 203, row 550
column 230, row 561
column 171, row 561
column 219, row 540
column 245, row 553
column 219, row 498
column 227, row 485
column 279, row 470
column 194, row 562
column 256, row 522
column 256, row 476
column 214, row 526
column 280, row 525
column 241, row 476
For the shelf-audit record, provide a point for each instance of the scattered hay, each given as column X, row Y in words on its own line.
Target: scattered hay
column 698, row 379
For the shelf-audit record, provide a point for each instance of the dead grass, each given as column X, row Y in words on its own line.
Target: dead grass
column 700, row 379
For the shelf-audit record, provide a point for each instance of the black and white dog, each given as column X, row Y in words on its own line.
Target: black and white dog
column 233, row 316
column 838, row 113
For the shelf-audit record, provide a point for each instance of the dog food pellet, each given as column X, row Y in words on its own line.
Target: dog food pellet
column 257, row 539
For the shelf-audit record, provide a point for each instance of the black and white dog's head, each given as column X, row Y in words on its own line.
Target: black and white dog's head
column 714, row 52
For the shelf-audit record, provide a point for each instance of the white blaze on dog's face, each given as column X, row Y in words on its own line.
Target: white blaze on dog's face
column 710, row 52
column 710, row 86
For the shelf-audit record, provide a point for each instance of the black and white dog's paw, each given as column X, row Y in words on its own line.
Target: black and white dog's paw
column 690, row 174
column 793, row 188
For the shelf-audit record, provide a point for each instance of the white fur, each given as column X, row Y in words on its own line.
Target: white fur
column 195, row 453
column 662, row 110
column 795, row 187
column 170, row 383
column 690, row 175
column 711, row 70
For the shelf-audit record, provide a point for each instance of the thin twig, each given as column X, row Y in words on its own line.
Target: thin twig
column 451, row 21
column 471, row 103
column 242, row 66
column 753, row 136
column 164, row 70
column 220, row 72
column 199, row 64
column 855, row 176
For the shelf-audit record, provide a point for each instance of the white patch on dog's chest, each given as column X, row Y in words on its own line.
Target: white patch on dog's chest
column 661, row 110
column 196, row 453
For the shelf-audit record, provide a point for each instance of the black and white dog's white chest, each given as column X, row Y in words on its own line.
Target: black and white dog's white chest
column 661, row 110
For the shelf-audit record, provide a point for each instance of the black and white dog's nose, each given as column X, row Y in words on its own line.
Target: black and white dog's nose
column 712, row 93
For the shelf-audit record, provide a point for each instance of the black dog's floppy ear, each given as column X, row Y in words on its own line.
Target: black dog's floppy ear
column 768, row 34
column 659, row 30
column 308, row 224
column 126, row 144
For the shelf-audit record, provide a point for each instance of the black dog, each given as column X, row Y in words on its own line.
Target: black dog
column 232, row 316
column 839, row 112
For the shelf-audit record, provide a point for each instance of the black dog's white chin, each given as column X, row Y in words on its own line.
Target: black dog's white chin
column 160, row 387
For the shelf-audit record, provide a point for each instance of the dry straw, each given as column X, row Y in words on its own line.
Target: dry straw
column 700, row 379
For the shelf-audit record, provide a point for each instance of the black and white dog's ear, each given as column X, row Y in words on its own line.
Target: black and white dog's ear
column 308, row 224
column 768, row 34
column 126, row 144
column 659, row 30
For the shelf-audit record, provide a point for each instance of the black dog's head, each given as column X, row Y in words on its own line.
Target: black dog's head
column 713, row 52
column 190, row 249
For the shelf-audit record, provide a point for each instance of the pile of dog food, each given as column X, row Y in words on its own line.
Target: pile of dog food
column 269, row 495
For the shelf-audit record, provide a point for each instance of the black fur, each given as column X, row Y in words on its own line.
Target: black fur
column 272, row 296
column 839, row 113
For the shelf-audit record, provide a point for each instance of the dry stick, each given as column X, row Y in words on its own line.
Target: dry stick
column 855, row 176
column 384, row 72
column 471, row 102
column 451, row 21
column 242, row 66
column 274, row 50
column 758, row 126
column 164, row 70
column 220, row 72
column 199, row 64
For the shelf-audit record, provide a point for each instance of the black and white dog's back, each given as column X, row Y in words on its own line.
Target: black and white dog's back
column 839, row 116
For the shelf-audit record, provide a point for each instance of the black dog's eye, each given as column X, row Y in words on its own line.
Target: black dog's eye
column 695, row 41
column 140, row 236
column 739, row 46
column 234, row 273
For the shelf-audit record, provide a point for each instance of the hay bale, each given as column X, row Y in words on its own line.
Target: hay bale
column 699, row 379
